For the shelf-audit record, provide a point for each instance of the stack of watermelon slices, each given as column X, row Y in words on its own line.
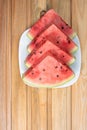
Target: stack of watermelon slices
column 50, row 52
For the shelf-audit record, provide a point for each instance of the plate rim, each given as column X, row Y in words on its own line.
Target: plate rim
column 62, row 86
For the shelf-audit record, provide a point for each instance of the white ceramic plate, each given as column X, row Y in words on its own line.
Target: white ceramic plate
column 23, row 43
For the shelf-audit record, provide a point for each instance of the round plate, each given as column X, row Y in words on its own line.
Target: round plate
column 23, row 53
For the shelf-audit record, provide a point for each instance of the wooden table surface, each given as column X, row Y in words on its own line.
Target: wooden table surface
column 26, row 108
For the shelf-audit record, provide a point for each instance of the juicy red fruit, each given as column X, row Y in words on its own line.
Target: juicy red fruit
column 51, row 17
column 54, row 49
column 54, row 35
column 49, row 72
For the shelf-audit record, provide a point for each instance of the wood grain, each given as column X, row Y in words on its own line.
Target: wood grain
column 18, row 87
column 79, row 90
column 5, row 65
column 61, row 98
column 28, row 89
column 36, row 98
column 49, row 109
column 26, row 108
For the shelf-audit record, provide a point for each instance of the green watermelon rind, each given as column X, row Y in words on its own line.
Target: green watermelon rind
column 29, row 49
column 71, row 52
column 29, row 35
column 27, row 64
column 74, row 50
column 68, row 63
column 72, row 61
column 73, row 35
column 29, row 83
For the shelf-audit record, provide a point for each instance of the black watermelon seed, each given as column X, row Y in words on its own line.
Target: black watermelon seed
column 39, row 78
column 34, row 52
column 57, row 75
column 40, row 52
column 66, row 24
column 69, row 41
column 57, row 41
column 62, row 27
column 43, row 69
column 56, row 67
column 61, row 67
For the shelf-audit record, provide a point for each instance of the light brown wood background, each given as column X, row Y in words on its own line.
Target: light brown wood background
column 25, row 108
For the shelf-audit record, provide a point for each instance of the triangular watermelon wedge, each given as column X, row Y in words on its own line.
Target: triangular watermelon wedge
column 51, row 17
column 53, row 48
column 56, row 36
column 49, row 72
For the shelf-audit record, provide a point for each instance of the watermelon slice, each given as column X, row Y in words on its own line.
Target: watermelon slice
column 49, row 72
column 45, row 21
column 56, row 36
column 49, row 46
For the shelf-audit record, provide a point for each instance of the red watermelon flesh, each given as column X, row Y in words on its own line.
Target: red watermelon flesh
column 49, row 72
column 56, row 36
column 49, row 46
column 51, row 17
